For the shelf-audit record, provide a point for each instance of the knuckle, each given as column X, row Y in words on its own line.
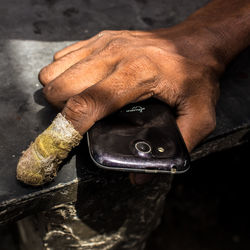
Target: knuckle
column 125, row 33
column 154, row 49
column 211, row 124
column 144, row 67
column 44, row 75
column 113, row 32
column 80, row 107
column 77, row 105
column 143, row 60
column 57, row 56
column 48, row 92
column 115, row 44
column 104, row 33
column 143, row 71
column 208, row 122
column 52, row 96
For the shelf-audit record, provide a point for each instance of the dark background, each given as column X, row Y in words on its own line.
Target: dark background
column 206, row 209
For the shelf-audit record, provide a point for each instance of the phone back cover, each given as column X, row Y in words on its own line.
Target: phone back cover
column 112, row 140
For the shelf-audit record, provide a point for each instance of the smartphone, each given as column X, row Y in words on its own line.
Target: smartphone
column 141, row 137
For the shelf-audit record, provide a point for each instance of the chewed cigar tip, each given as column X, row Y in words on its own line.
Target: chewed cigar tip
column 39, row 163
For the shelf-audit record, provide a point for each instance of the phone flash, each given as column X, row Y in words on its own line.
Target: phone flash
column 173, row 170
column 161, row 149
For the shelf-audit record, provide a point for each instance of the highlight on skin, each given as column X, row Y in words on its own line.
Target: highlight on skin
column 39, row 163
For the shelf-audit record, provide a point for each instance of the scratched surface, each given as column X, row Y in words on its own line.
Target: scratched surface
column 30, row 32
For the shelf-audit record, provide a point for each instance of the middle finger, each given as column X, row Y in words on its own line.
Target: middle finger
column 79, row 77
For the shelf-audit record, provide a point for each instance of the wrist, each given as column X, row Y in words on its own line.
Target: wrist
column 197, row 43
column 222, row 28
column 224, row 39
column 215, row 34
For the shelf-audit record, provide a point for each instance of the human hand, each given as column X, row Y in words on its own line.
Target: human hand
column 179, row 65
column 91, row 79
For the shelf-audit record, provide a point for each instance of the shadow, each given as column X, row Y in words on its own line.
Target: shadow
column 101, row 205
column 106, row 201
column 209, row 206
column 47, row 113
column 110, row 205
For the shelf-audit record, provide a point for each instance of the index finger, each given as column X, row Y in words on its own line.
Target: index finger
column 129, row 82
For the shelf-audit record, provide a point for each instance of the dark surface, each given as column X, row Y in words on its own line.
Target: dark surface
column 208, row 208
column 28, row 31
column 205, row 209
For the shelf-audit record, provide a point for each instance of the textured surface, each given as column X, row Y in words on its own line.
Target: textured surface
column 30, row 32
column 40, row 162
column 99, row 219
column 208, row 217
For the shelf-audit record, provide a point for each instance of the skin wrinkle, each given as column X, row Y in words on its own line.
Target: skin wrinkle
column 54, row 93
column 75, row 47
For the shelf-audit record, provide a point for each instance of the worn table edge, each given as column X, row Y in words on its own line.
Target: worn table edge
column 234, row 138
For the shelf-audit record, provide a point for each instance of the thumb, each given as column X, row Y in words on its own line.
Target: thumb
column 195, row 124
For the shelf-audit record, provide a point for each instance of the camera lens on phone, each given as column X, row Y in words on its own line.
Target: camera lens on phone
column 143, row 147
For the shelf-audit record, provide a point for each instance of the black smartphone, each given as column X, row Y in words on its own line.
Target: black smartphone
column 141, row 137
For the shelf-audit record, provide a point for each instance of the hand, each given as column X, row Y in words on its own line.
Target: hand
column 92, row 78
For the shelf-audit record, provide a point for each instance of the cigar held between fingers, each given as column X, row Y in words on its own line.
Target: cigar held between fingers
column 39, row 163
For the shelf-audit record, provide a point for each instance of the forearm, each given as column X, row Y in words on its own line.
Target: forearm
column 218, row 31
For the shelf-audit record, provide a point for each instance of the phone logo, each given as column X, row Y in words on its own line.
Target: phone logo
column 136, row 109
